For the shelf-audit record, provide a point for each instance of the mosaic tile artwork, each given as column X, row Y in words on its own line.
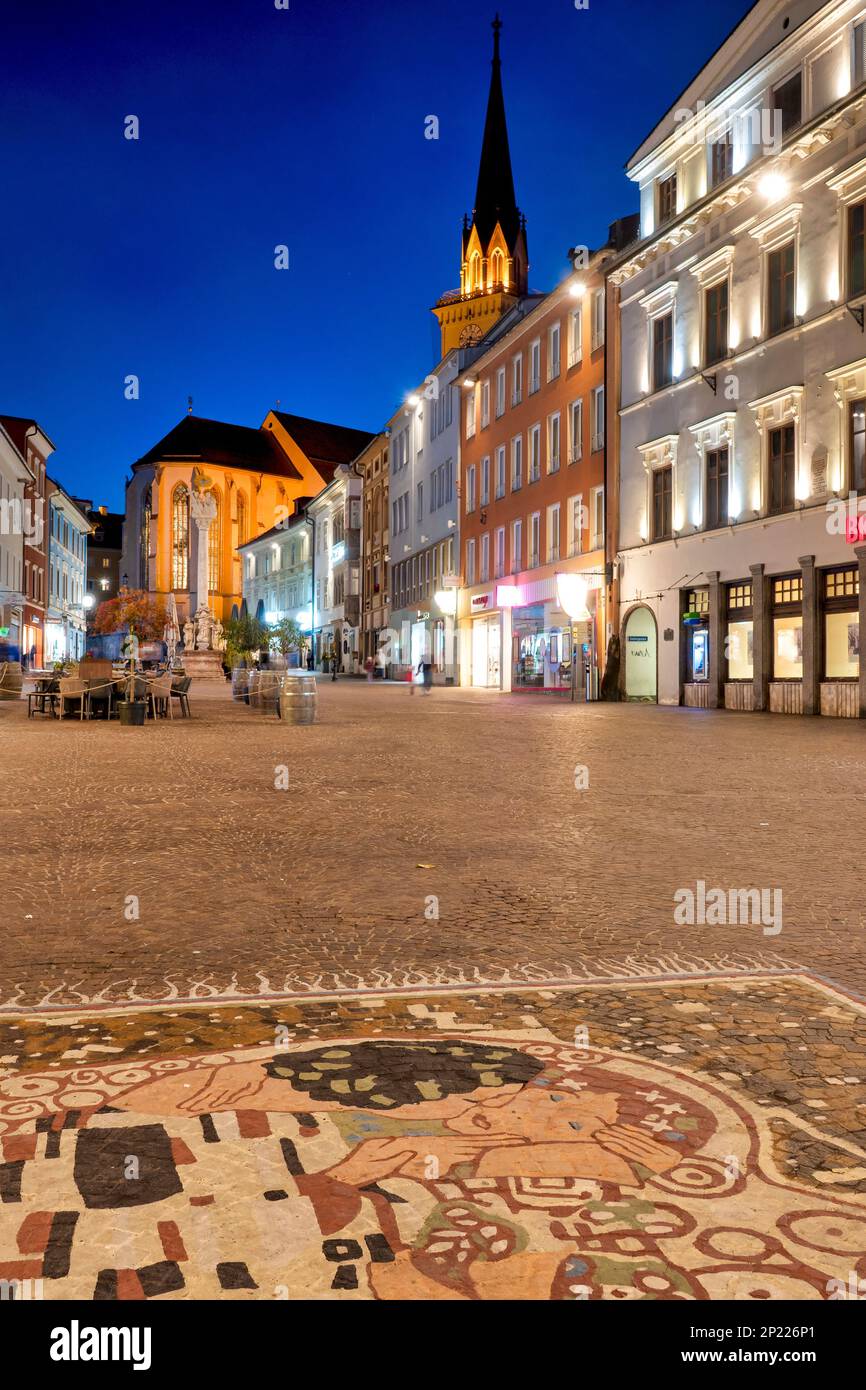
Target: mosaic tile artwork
column 703, row 1140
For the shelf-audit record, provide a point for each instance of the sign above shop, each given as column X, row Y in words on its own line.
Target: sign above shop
column 480, row 602
column 509, row 595
column 855, row 528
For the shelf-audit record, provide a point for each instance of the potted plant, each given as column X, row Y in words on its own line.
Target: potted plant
column 243, row 636
column 140, row 617
column 286, row 637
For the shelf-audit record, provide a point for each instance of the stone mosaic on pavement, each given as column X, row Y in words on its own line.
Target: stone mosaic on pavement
column 604, row 1142
column 423, row 1025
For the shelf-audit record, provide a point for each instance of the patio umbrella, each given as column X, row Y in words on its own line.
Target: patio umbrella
column 171, row 633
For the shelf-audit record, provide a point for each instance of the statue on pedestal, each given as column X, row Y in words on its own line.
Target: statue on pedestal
column 189, row 635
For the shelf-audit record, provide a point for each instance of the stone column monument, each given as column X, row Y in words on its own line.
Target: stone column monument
column 201, row 658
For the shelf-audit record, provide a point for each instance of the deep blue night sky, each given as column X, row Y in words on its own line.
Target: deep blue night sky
column 305, row 127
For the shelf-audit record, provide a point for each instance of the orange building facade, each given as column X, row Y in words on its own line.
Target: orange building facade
column 257, row 478
column 532, row 495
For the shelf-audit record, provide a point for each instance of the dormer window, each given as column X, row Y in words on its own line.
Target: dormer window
column 788, row 101
column 667, row 199
column 721, row 161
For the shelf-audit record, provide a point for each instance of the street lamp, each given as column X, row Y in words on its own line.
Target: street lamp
column 571, row 592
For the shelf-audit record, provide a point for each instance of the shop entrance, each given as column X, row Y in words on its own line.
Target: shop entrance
column 542, row 649
column 486, row 652
column 641, row 656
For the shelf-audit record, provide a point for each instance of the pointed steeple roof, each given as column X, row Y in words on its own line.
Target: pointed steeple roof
column 494, row 194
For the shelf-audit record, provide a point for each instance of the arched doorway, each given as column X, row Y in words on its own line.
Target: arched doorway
column 640, row 655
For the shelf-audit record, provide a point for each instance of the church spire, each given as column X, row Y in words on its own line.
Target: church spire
column 494, row 194
column 493, row 258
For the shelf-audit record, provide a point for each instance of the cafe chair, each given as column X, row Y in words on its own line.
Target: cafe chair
column 159, row 692
column 73, row 690
column 43, row 699
column 180, row 692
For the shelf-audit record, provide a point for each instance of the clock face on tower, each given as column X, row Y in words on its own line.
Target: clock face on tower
column 470, row 335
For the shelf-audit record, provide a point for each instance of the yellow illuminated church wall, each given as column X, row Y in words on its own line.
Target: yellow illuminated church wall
column 248, row 504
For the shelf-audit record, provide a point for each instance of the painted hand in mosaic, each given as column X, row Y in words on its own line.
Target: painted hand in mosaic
column 630, row 1142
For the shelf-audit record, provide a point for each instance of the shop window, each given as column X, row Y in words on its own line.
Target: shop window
column 662, row 504
column 697, row 635
column 788, row 628
column 698, row 601
column 739, row 640
column 842, row 624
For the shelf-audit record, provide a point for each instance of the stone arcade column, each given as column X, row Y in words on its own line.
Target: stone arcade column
column 811, row 687
column 717, row 642
column 762, row 637
column 860, row 552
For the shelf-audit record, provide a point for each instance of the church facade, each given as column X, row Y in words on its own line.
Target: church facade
column 257, row 478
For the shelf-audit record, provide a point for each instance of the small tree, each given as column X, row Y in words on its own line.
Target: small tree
column 286, row 636
column 243, row 636
column 137, row 613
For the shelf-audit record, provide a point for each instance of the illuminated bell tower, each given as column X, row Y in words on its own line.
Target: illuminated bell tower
column 493, row 262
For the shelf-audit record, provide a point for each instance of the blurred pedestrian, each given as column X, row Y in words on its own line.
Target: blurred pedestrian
column 425, row 671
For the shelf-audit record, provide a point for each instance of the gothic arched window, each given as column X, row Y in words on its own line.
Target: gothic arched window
column 474, row 271
column 180, row 537
column 497, row 267
column 213, row 547
column 242, row 518
column 144, row 560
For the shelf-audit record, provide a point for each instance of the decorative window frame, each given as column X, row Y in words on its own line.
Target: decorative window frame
column 712, row 271
column 849, row 384
column 656, row 304
column 850, row 188
column 715, row 433
column 771, row 235
column 781, row 408
column 673, row 170
column 656, row 454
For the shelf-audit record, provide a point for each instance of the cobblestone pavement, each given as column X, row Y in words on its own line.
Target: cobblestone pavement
column 422, row 1023
column 463, row 797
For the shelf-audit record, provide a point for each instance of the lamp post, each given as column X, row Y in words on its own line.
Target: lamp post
column 571, row 591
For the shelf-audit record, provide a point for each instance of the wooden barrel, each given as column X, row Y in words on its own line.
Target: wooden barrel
column 11, row 680
column 298, row 699
column 255, row 700
column 268, row 691
column 240, row 683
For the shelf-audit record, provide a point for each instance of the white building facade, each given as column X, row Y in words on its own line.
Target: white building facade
column 14, row 522
column 336, row 571
column 276, row 575
column 66, row 623
column 738, row 441
column 424, row 457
